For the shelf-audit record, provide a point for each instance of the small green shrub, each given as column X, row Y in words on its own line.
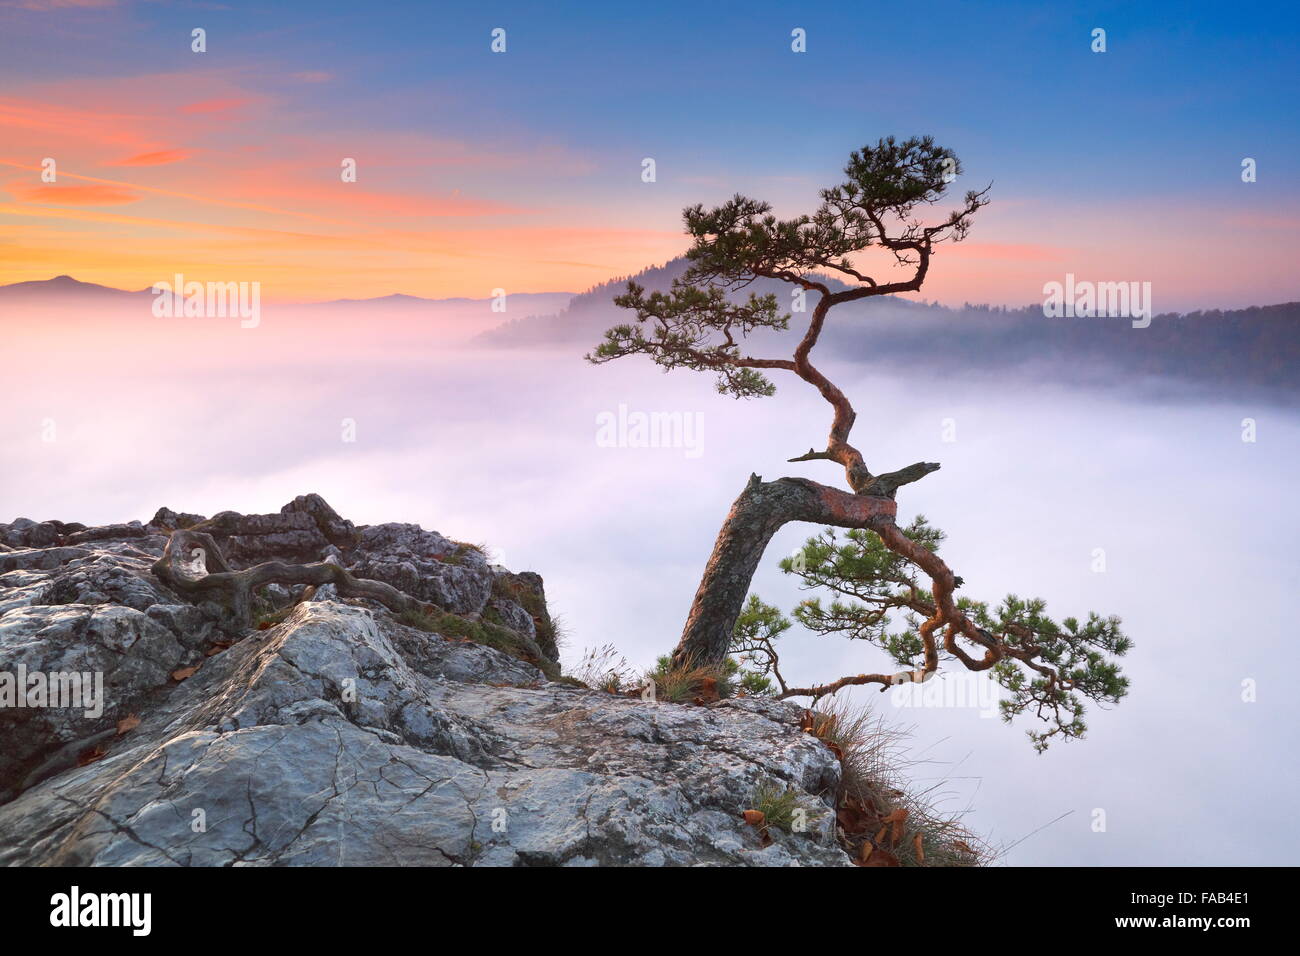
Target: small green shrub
column 550, row 630
column 756, row 685
column 776, row 803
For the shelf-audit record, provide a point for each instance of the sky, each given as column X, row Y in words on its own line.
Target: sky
column 522, row 170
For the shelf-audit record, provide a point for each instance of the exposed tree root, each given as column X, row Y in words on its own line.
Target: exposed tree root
column 193, row 565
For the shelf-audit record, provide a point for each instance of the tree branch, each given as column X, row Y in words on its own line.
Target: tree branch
column 885, row 485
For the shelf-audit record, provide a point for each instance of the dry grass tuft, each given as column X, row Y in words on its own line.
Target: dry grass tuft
column 689, row 683
column 878, row 817
column 604, row 668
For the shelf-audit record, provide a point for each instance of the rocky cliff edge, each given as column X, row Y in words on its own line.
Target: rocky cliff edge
column 317, row 728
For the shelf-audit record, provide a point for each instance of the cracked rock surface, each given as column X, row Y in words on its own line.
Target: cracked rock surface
column 340, row 736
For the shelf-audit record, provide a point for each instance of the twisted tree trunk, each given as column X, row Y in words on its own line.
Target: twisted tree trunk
column 760, row 511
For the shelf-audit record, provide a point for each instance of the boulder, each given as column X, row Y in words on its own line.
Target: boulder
column 25, row 533
column 116, row 651
column 342, row 737
column 425, row 565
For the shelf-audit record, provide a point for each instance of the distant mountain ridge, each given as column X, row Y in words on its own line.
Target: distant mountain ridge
column 65, row 287
column 1230, row 350
column 533, row 302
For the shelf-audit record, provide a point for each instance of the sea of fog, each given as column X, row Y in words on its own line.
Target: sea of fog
column 544, row 459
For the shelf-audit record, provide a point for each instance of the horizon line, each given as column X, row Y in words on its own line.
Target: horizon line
column 923, row 303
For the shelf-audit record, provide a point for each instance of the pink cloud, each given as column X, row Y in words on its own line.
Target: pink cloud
column 47, row 121
column 93, row 195
column 157, row 158
column 218, row 105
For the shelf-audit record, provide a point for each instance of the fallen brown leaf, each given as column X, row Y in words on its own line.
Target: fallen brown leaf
column 127, row 723
column 898, row 818
column 91, row 754
column 852, row 819
column 708, row 691
column 182, row 673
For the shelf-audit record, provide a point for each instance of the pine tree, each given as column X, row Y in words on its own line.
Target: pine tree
column 702, row 323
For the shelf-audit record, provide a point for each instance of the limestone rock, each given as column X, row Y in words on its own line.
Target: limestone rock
column 342, row 737
column 339, row 735
column 425, row 565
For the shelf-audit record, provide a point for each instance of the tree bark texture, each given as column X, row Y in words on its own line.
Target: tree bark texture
column 760, row 511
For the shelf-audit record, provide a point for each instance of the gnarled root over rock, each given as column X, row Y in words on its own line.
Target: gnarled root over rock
column 192, row 564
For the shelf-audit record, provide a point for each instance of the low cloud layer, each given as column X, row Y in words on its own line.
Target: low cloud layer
column 506, row 448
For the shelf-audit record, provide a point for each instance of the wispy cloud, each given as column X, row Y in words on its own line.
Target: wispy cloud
column 160, row 157
column 91, row 195
column 217, row 105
